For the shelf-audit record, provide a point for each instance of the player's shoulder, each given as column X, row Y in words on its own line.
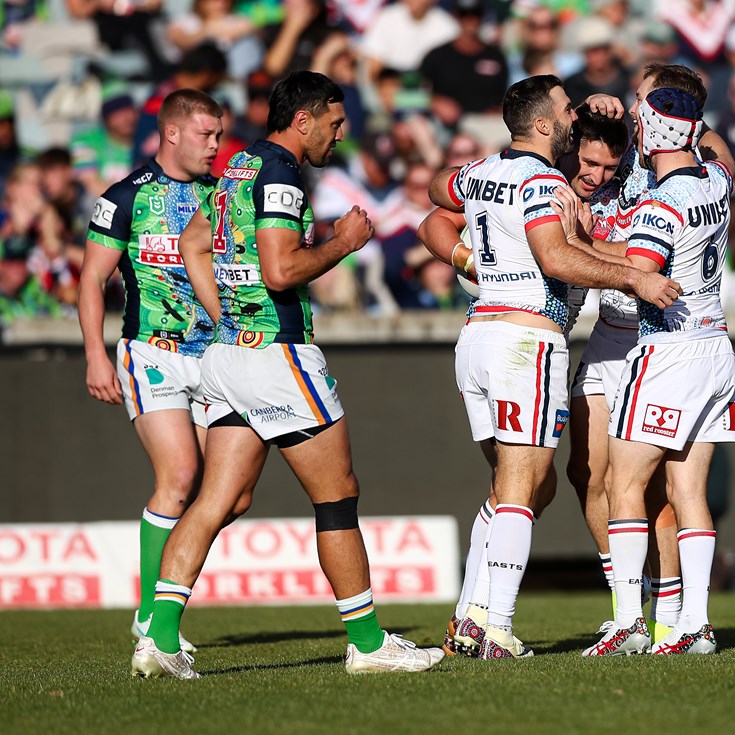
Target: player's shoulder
column 718, row 171
column 271, row 162
column 530, row 167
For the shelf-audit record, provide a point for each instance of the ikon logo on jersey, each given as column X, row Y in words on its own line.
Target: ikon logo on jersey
column 654, row 221
column 661, row 420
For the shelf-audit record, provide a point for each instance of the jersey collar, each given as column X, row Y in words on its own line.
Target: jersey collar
column 513, row 153
column 698, row 172
column 278, row 150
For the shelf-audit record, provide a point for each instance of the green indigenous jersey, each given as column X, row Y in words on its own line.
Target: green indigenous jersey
column 260, row 188
column 143, row 216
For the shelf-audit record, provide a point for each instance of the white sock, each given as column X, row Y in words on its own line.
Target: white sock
column 628, row 540
column 476, row 563
column 666, row 600
column 696, row 552
column 508, row 550
column 607, row 570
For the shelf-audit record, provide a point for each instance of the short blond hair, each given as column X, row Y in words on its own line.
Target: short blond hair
column 183, row 103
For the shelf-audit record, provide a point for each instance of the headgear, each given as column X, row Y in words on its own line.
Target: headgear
column 669, row 120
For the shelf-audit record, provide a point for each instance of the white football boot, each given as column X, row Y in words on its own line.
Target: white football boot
column 678, row 642
column 623, row 641
column 149, row 662
column 396, row 654
column 498, row 643
column 138, row 630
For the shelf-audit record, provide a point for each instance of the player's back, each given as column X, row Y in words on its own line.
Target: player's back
column 506, row 196
column 682, row 225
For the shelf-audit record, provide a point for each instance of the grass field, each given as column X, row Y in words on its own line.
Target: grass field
column 279, row 670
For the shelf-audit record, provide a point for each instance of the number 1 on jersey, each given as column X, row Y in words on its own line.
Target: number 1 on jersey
column 487, row 252
column 218, row 241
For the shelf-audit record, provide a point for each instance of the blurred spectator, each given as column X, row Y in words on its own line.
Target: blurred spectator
column 701, row 27
column 336, row 59
column 124, row 24
column 365, row 180
column 14, row 14
column 397, row 233
column 253, row 124
column 214, row 20
column 260, row 12
column 462, row 149
column 565, row 10
column 31, row 229
column 658, row 43
column 291, row 45
column 466, row 75
column 103, row 154
column 67, row 196
column 726, row 124
column 203, row 67
column 539, row 47
column 627, row 29
column 403, row 33
column 9, row 148
column 602, row 73
column 359, row 16
column 229, row 143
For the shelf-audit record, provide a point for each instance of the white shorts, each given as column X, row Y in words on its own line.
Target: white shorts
column 513, row 380
column 677, row 392
column 153, row 379
column 603, row 361
column 277, row 390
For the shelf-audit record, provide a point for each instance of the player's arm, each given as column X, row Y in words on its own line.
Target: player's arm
column 575, row 218
column 99, row 264
column 713, row 148
column 285, row 263
column 440, row 233
column 195, row 247
column 558, row 259
column 443, row 190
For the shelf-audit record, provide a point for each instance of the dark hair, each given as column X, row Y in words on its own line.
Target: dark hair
column 301, row 90
column 526, row 100
column 184, row 103
column 594, row 126
column 678, row 77
column 205, row 57
column 52, row 157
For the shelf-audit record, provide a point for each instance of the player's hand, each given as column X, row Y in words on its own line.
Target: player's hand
column 354, row 229
column 657, row 289
column 567, row 207
column 606, row 105
column 102, row 381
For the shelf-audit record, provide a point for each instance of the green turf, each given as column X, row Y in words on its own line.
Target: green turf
column 279, row 670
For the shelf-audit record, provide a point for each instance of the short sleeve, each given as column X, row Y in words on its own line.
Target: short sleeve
column 112, row 217
column 279, row 197
column 654, row 227
column 537, row 193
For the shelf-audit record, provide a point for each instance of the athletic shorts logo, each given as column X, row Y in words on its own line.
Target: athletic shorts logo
column 283, row 198
column 730, row 417
column 104, row 211
column 507, row 413
column 661, row 420
column 562, row 417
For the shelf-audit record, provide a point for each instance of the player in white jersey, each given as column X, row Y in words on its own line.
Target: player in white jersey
column 599, row 142
column 676, row 397
column 512, row 360
column 602, row 362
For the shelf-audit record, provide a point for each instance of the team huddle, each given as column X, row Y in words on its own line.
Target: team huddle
column 217, row 316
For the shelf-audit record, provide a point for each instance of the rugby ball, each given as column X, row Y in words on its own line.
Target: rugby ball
column 469, row 286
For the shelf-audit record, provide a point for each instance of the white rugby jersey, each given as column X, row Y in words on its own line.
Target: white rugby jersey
column 604, row 204
column 616, row 308
column 682, row 226
column 505, row 196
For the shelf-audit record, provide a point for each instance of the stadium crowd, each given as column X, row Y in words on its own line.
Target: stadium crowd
column 423, row 82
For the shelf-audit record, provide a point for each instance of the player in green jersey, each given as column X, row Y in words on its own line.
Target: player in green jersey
column 266, row 382
column 136, row 226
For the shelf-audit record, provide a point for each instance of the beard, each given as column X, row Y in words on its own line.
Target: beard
column 561, row 142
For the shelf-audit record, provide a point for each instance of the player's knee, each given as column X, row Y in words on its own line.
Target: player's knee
column 178, row 486
column 340, row 515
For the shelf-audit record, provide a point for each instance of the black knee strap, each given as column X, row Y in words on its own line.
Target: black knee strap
column 338, row 516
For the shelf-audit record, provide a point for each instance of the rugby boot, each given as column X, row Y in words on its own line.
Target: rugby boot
column 448, row 645
column 470, row 631
column 623, row 641
column 149, row 662
column 138, row 630
column 396, row 654
column 498, row 643
column 679, row 642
